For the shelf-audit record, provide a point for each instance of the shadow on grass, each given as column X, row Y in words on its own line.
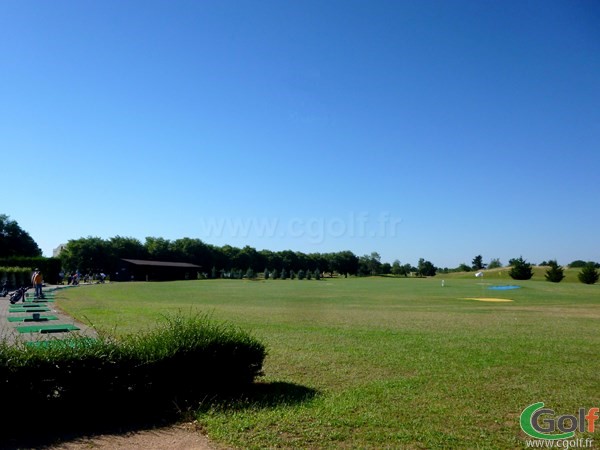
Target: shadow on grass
column 46, row 425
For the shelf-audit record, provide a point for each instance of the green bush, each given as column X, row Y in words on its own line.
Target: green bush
column 183, row 360
column 589, row 274
column 520, row 270
column 555, row 273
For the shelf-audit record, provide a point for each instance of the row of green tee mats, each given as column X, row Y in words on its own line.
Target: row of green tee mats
column 35, row 316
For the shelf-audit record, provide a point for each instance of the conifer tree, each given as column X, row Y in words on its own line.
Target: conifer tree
column 555, row 273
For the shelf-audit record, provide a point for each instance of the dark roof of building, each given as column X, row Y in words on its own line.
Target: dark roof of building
column 144, row 262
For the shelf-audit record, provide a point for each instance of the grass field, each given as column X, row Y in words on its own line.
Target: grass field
column 383, row 362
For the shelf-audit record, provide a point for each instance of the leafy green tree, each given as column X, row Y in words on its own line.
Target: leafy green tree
column 308, row 275
column 266, row 274
column 250, row 273
column 88, row 255
column 555, row 273
column 386, row 268
column 369, row 264
column 463, row 268
column 301, row 274
column 426, row 268
column 577, row 264
column 477, row 263
column 284, row 274
column 494, row 264
column 344, row 263
column 14, row 241
column 275, row 274
column 520, row 270
column 159, row 249
column 395, row 270
column 317, row 274
column 589, row 274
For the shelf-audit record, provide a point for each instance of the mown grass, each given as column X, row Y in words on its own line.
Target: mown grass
column 402, row 363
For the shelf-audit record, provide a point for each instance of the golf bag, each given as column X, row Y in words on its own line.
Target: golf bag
column 18, row 295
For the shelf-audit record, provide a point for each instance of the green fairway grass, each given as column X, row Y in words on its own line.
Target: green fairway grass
column 395, row 362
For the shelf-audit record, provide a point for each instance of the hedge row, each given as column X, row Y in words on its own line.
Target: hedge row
column 50, row 267
column 15, row 276
column 182, row 361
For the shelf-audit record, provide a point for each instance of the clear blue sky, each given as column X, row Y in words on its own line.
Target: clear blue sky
column 434, row 129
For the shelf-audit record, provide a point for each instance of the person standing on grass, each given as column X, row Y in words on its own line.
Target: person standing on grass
column 36, row 280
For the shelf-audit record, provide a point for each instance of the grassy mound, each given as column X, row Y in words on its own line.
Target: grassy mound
column 82, row 380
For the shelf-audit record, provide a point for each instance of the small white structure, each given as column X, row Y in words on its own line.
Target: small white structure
column 479, row 274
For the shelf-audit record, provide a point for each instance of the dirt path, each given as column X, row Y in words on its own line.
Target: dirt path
column 186, row 436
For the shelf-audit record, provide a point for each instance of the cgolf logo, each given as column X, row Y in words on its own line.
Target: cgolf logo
column 540, row 423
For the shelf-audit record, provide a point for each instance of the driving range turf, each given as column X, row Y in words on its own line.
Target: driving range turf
column 382, row 362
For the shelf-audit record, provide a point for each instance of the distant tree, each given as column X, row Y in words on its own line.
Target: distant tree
column 292, row 275
column 275, row 274
column 426, row 268
column 589, row 274
column 284, row 274
column 386, row 268
column 346, row 262
column 520, row 270
column 477, row 263
column 301, row 274
column 545, row 263
column 14, row 241
column 159, row 249
column 369, row 264
column 213, row 272
column 463, row 268
column 266, row 274
column 396, row 267
column 555, row 273
column 308, row 275
column 317, row 274
column 250, row 273
column 494, row 264
column 577, row 264
column 88, row 255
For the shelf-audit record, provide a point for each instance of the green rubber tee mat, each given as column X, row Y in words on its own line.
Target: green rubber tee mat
column 24, row 310
column 47, row 328
column 31, row 319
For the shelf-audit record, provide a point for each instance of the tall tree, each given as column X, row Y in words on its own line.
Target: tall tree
column 14, row 241
column 477, row 263
column 90, row 254
column 426, row 268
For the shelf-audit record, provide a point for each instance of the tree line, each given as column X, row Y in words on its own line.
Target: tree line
column 95, row 255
